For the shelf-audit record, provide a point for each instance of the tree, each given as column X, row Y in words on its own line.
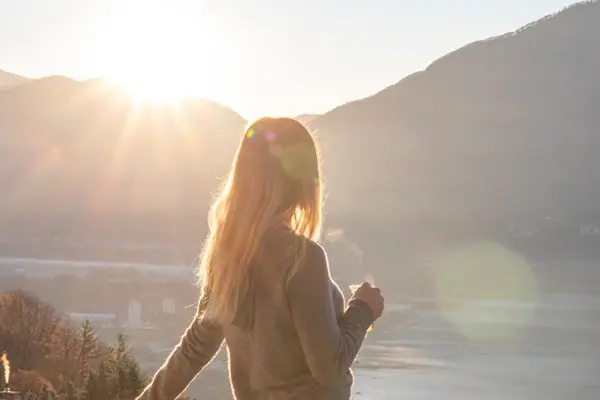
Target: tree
column 89, row 349
column 100, row 388
column 52, row 359
column 27, row 328
column 66, row 346
column 130, row 380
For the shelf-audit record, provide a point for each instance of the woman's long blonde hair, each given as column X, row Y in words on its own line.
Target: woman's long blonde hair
column 275, row 181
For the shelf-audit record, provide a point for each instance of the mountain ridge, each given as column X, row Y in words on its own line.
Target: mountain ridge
column 478, row 109
column 568, row 10
column 9, row 79
column 481, row 138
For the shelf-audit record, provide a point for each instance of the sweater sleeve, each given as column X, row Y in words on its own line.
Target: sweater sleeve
column 197, row 348
column 330, row 346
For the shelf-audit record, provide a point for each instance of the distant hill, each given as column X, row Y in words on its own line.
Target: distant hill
column 81, row 158
column 506, row 127
column 8, row 80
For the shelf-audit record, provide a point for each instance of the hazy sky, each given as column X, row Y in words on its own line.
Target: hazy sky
column 256, row 56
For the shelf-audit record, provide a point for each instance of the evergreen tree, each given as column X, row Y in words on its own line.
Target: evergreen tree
column 89, row 350
column 130, row 380
column 102, row 389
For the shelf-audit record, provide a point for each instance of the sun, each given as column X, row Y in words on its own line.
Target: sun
column 153, row 53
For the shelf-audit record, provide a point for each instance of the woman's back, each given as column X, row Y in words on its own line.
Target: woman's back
column 290, row 339
column 267, row 353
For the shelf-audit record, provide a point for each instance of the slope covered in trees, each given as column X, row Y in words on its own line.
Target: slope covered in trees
column 47, row 353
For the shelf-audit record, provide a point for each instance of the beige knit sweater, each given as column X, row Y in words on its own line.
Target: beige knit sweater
column 292, row 340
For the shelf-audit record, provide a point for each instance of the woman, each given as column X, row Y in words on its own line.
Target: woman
column 266, row 286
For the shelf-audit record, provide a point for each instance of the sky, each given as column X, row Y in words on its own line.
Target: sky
column 259, row 57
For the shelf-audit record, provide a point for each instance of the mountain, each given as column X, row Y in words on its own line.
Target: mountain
column 486, row 141
column 8, row 80
column 82, row 159
column 504, row 128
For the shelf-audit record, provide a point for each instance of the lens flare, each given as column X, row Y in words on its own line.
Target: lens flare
column 487, row 291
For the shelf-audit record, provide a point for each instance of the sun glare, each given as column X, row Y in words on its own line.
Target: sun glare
column 154, row 54
column 150, row 87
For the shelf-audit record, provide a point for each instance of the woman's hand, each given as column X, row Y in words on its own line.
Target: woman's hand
column 372, row 296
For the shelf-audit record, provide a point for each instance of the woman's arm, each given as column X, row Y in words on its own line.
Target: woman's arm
column 329, row 346
column 197, row 347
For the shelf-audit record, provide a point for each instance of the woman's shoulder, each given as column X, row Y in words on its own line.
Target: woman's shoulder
column 312, row 262
column 288, row 240
column 285, row 247
column 315, row 253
